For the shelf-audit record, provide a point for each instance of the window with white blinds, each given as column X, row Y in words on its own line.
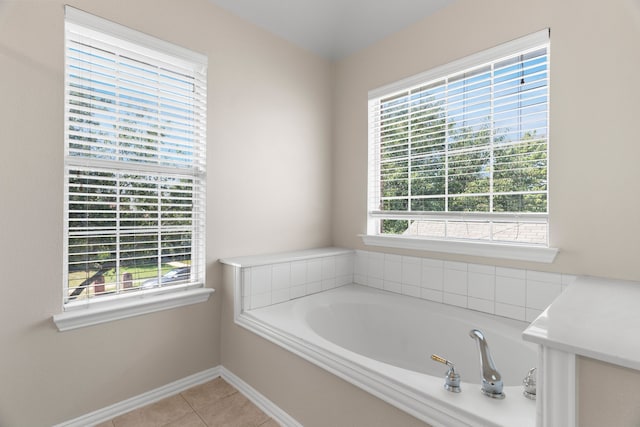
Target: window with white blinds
column 135, row 123
column 461, row 152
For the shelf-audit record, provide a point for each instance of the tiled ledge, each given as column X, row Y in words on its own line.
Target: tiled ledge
column 275, row 278
column 507, row 292
column 258, row 260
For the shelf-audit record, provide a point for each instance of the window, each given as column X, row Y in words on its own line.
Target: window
column 460, row 153
column 135, row 111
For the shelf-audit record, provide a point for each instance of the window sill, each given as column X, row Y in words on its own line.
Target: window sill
column 93, row 315
column 490, row 250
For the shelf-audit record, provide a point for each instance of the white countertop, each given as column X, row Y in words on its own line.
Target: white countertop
column 594, row 317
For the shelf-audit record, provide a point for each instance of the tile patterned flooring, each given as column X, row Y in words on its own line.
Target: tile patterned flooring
column 213, row 404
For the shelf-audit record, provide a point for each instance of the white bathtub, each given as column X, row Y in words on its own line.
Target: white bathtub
column 382, row 342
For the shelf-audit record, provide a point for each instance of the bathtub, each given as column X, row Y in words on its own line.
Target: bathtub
column 382, row 343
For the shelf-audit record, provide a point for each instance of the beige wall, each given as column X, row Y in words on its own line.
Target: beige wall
column 608, row 395
column 594, row 148
column 268, row 152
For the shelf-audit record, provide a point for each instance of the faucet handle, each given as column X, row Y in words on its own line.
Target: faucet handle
column 452, row 378
column 441, row 360
column 529, row 384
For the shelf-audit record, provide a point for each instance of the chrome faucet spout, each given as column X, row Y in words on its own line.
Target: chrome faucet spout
column 491, row 380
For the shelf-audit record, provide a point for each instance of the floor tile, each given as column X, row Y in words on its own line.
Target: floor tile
column 155, row 415
column 270, row 423
column 233, row 411
column 208, row 393
column 105, row 424
column 189, row 420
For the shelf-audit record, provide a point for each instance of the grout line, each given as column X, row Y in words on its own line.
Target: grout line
column 192, row 408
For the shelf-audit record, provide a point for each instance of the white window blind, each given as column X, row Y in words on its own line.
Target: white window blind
column 135, row 123
column 461, row 152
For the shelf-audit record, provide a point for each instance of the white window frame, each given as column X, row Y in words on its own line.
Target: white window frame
column 80, row 313
column 493, row 249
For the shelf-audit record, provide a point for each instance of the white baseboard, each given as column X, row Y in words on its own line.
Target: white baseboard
column 267, row 406
column 144, row 399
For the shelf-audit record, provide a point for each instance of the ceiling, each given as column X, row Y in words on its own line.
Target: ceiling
column 332, row 28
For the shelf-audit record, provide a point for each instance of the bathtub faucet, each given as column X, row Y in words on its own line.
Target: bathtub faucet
column 491, row 379
column 452, row 378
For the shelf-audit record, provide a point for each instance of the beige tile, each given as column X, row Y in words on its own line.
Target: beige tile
column 233, row 411
column 105, row 424
column 156, row 414
column 270, row 423
column 208, row 393
column 189, row 420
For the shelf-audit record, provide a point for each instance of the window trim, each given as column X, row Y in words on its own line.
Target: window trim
column 122, row 308
column 517, row 252
column 491, row 248
column 107, row 308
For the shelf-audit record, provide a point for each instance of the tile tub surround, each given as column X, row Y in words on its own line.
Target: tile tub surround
column 272, row 279
column 507, row 292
